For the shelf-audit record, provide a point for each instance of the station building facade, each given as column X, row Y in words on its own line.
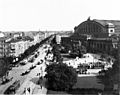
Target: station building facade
column 98, row 28
column 101, row 35
column 96, row 35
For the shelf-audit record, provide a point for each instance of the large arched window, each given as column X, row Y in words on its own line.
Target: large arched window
column 90, row 28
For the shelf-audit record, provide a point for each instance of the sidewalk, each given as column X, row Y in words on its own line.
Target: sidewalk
column 38, row 90
column 26, row 84
column 4, row 87
column 34, row 87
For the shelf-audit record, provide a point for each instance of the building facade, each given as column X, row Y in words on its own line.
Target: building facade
column 4, row 47
column 18, row 46
column 102, row 45
column 98, row 28
column 39, row 37
column 95, row 35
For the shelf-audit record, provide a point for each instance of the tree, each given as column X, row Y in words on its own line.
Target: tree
column 53, row 41
column 81, row 50
column 67, row 48
column 56, row 53
column 78, row 50
column 114, row 53
column 111, row 76
column 4, row 64
column 60, row 77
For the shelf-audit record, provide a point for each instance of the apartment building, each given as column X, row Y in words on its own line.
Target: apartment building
column 4, row 47
column 19, row 45
column 39, row 37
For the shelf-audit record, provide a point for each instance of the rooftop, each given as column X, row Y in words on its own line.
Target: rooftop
column 1, row 34
column 106, row 22
column 24, row 38
column 116, row 23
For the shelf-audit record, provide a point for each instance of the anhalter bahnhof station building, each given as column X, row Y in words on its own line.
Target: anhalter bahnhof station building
column 96, row 35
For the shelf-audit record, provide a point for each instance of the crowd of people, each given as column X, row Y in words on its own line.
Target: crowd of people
column 88, row 61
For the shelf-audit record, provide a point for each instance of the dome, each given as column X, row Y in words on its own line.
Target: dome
column 2, row 35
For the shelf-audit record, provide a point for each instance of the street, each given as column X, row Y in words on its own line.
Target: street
column 24, row 80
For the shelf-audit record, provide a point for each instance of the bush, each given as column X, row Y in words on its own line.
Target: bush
column 60, row 77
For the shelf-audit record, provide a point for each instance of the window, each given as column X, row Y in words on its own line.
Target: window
column 111, row 30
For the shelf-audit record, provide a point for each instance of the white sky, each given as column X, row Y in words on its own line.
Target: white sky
column 26, row 15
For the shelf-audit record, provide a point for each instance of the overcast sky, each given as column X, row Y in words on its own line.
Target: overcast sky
column 26, row 15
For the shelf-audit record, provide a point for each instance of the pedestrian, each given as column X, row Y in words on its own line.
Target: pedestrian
column 40, row 82
column 41, row 61
column 24, row 91
column 27, row 92
column 38, row 74
column 28, row 89
column 41, row 78
column 41, row 86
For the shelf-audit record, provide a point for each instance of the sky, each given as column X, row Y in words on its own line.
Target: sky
column 59, row 15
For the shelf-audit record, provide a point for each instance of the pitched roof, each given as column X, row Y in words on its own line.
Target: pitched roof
column 116, row 23
column 105, row 22
column 24, row 38
column 3, row 38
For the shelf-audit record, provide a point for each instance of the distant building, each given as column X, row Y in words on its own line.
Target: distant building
column 74, row 40
column 19, row 45
column 58, row 39
column 48, row 33
column 63, row 36
column 96, row 35
column 98, row 28
column 18, row 34
column 14, row 34
column 4, row 47
column 39, row 37
column 102, row 45
column 2, row 34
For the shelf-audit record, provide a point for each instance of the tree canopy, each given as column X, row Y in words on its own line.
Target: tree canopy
column 60, row 77
column 56, row 53
column 4, row 64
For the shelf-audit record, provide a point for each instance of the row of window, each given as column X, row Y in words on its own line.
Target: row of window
column 89, row 28
column 101, row 46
